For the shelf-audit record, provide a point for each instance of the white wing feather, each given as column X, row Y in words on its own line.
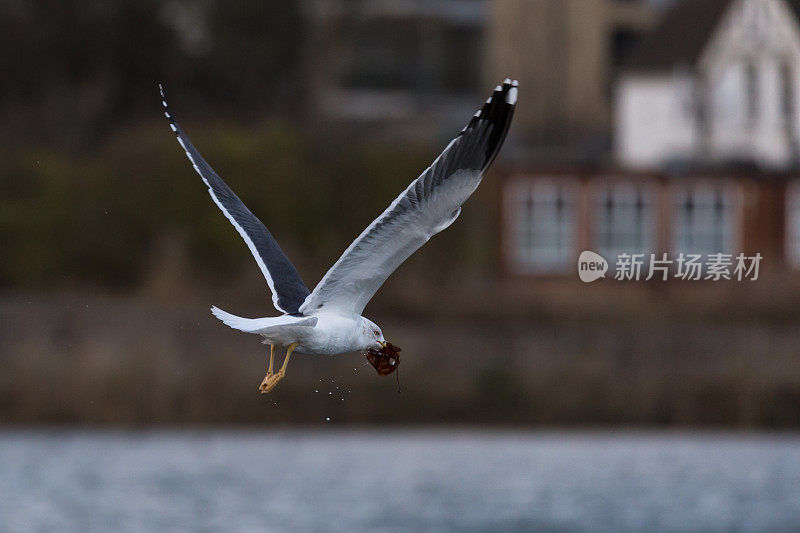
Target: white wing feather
column 430, row 204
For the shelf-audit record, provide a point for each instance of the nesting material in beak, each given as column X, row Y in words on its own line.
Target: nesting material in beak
column 385, row 360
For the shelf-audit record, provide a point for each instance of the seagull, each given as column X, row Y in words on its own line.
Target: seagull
column 328, row 320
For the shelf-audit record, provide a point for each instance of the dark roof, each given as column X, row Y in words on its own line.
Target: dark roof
column 680, row 37
column 795, row 6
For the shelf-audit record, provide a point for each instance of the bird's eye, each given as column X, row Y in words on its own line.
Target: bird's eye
column 376, row 332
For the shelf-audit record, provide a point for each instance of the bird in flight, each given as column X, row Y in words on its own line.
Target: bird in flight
column 328, row 320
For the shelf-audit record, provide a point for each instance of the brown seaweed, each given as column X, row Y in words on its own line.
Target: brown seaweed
column 385, row 360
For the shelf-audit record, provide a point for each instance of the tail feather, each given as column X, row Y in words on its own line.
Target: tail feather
column 233, row 321
column 261, row 325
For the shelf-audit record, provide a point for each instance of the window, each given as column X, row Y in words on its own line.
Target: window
column 385, row 55
column 541, row 216
column 793, row 224
column 704, row 218
column 414, row 54
column 624, row 218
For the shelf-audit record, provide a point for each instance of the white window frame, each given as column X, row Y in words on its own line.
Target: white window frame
column 634, row 216
column 710, row 195
column 531, row 201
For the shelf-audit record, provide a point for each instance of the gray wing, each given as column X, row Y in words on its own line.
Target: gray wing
column 430, row 204
column 288, row 289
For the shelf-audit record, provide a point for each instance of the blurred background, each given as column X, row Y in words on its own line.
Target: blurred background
column 642, row 127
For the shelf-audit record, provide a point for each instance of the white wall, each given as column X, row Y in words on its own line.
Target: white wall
column 653, row 119
column 763, row 33
column 653, row 112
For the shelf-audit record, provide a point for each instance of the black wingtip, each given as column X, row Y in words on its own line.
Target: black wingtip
column 502, row 98
column 498, row 111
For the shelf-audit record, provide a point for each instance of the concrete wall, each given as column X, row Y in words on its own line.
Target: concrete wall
column 561, row 52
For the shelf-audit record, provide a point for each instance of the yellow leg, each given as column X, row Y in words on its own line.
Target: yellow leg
column 269, row 370
column 271, row 380
column 271, row 357
column 289, row 351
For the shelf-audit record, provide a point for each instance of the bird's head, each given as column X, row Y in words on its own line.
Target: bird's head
column 381, row 354
column 370, row 335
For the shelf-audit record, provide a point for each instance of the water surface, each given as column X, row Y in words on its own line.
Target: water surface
column 397, row 480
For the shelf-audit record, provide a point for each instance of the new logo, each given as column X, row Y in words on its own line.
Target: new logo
column 591, row 266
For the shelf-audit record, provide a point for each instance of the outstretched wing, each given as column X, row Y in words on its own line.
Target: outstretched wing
column 430, row 204
column 288, row 289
